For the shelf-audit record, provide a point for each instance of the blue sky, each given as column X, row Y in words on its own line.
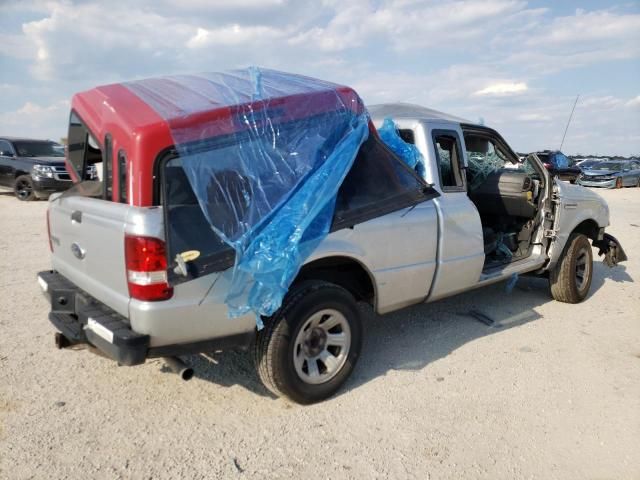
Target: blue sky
column 518, row 65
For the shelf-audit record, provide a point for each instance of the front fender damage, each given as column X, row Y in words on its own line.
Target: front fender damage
column 610, row 247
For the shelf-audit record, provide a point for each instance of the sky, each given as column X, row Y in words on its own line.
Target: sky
column 516, row 66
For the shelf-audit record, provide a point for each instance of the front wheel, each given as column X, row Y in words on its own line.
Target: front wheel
column 570, row 279
column 619, row 182
column 23, row 188
column 308, row 349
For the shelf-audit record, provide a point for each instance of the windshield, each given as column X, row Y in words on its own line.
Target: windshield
column 610, row 166
column 39, row 149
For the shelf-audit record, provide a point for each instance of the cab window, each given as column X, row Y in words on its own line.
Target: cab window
column 449, row 160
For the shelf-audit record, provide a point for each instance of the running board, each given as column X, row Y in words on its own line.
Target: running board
column 503, row 272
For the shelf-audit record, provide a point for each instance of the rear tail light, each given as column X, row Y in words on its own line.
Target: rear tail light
column 547, row 165
column 146, row 262
column 49, row 232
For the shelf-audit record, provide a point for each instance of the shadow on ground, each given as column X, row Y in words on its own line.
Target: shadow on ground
column 412, row 338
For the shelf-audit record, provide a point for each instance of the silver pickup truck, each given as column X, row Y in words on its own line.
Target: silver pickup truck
column 472, row 215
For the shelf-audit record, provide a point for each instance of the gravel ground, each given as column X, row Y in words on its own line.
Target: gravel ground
column 551, row 391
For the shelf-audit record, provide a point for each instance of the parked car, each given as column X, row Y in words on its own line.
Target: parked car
column 33, row 168
column 119, row 283
column 615, row 174
column 558, row 165
column 587, row 164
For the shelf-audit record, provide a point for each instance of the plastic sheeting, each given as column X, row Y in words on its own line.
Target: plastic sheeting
column 265, row 153
column 407, row 152
column 559, row 160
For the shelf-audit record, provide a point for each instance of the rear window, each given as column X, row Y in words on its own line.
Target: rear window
column 378, row 183
column 83, row 150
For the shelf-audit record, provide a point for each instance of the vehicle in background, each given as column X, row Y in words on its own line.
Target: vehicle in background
column 558, row 165
column 33, row 168
column 587, row 164
column 613, row 174
column 139, row 273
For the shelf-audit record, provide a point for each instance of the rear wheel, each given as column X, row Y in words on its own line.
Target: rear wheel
column 308, row 349
column 23, row 188
column 570, row 280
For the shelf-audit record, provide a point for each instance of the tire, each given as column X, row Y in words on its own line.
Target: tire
column 298, row 336
column 23, row 188
column 618, row 182
column 570, row 280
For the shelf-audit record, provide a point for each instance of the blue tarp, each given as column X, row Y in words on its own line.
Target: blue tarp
column 265, row 169
column 407, row 152
column 559, row 160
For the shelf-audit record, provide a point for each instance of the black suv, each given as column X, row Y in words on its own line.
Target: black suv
column 32, row 168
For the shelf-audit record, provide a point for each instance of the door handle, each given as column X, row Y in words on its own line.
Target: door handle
column 76, row 216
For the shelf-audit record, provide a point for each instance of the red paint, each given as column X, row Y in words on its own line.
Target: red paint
column 142, row 134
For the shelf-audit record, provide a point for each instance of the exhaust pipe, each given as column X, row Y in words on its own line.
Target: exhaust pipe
column 178, row 366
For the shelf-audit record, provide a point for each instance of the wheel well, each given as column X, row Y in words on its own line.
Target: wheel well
column 343, row 271
column 589, row 228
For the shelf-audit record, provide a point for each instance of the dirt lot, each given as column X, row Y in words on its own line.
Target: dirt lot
column 551, row 391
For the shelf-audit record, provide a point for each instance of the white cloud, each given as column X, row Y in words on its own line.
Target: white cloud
column 232, row 35
column 494, row 59
column 633, row 103
column 406, row 25
column 503, row 88
column 36, row 120
column 573, row 41
column 533, row 117
column 583, row 27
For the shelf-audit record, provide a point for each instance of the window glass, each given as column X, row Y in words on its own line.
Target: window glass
column 77, row 141
column 5, row 148
column 83, row 151
column 448, row 158
column 84, row 155
column 187, row 227
column 107, row 169
column 378, row 182
column 122, row 177
column 38, row 149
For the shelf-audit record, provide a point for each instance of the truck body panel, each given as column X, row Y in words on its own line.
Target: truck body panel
column 424, row 252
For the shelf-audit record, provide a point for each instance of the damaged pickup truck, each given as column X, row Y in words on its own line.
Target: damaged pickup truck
column 255, row 209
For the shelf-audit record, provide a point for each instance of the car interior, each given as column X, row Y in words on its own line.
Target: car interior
column 508, row 197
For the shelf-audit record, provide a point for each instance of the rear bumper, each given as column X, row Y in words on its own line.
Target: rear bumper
column 81, row 319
